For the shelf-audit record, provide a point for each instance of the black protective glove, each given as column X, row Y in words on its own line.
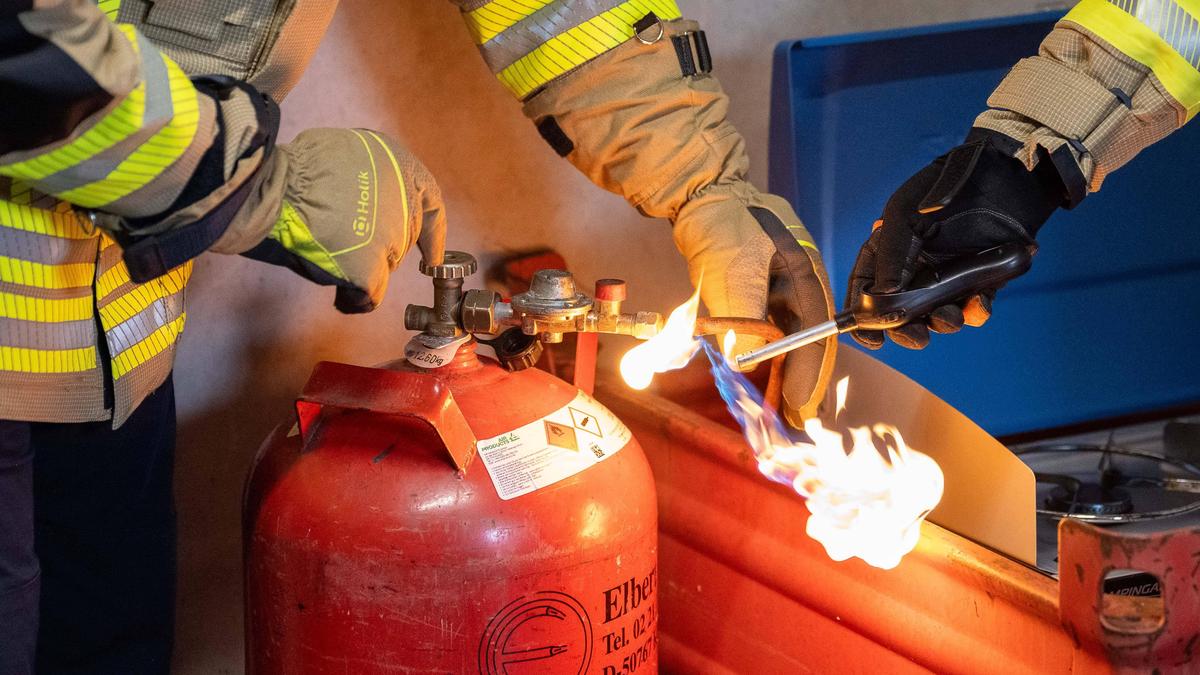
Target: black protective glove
column 973, row 198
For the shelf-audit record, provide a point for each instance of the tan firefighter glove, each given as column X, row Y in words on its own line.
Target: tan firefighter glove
column 341, row 207
column 647, row 121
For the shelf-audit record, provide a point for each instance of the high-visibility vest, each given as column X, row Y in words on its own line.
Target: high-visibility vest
column 62, row 286
column 79, row 341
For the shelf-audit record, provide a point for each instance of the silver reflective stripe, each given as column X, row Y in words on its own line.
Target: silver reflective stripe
column 46, row 293
column 41, row 335
column 45, row 248
column 158, row 112
column 1169, row 21
column 139, row 326
column 531, row 32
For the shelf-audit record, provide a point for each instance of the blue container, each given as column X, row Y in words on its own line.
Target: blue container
column 1107, row 322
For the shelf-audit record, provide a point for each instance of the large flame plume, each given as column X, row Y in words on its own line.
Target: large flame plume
column 867, row 500
column 867, row 494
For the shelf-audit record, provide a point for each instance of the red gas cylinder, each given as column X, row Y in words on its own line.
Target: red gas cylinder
column 461, row 519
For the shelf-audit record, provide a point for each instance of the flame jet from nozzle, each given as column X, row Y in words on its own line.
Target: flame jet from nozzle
column 866, row 502
column 671, row 349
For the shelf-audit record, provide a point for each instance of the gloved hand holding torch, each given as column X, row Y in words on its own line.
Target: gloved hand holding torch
column 1107, row 82
column 971, row 199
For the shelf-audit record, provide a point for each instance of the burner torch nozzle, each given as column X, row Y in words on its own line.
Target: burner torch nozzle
column 954, row 281
column 790, row 342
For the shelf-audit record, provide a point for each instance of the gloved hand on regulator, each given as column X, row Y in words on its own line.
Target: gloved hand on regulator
column 191, row 165
column 647, row 120
column 340, row 207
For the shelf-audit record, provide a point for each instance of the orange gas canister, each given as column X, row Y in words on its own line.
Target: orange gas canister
column 457, row 519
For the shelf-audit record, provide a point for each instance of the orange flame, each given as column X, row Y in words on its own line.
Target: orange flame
column 671, row 349
column 866, row 500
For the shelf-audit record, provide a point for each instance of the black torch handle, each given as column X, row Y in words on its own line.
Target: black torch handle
column 952, row 282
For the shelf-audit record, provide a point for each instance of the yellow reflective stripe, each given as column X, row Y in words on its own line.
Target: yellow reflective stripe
column 293, row 234
column 154, row 344
column 24, row 360
column 111, row 279
column 110, row 8
column 139, row 297
column 576, row 46
column 403, row 191
column 41, row 275
column 154, row 156
column 116, row 126
column 497, row 16
column 1140, row 43
column 20, row 192
column 62, row 222
column 46, row 310
column 796, row 230
column 114, row 276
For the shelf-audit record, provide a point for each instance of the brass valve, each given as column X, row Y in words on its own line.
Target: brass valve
column 442, row 320
column 552, row 307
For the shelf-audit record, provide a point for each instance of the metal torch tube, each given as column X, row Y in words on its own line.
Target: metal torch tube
column 787, row 344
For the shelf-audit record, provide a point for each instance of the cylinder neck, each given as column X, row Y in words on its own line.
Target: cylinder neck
column 465, row 359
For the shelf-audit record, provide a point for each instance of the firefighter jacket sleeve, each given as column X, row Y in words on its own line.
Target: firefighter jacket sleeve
column 172, row 166
column 1113, row 77
column 625, row 92
column 94, row 114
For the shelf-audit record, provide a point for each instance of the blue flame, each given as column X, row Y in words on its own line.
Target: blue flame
column 760, row 424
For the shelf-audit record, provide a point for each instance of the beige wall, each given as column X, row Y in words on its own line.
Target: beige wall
column 407, row 67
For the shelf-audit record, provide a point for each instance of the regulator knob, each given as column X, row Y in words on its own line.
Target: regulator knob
column 455, row 265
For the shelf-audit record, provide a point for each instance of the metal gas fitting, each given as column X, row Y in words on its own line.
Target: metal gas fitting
column 442, row 320
column 552, row 307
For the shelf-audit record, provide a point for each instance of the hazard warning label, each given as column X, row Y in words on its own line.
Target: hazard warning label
column 560, row 445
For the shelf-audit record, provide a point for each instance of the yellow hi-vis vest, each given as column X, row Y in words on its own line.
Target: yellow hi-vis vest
column 63, row 285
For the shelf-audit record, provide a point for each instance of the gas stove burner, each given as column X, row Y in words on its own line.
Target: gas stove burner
column 1090, row 499
column 1107, row 484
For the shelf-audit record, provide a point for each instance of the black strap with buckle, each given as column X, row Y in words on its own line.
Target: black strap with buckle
column 152, row 256
column 692, row 50
column 691, row 47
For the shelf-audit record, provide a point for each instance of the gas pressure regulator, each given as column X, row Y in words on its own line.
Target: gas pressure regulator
column 552, row 307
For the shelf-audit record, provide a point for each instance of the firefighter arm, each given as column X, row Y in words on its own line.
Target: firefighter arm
column 625, row 91
column 1112, row 78
column 118, row 128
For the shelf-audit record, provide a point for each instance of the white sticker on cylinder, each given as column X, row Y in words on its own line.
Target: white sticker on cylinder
column 423, row 356
column 575, row 437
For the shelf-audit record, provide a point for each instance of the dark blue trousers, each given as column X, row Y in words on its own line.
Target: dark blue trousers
column 87, row 544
